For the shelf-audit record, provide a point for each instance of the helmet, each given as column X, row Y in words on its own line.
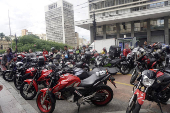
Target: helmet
column 19, row 65
column 53, row 48
column 84, row 46
column 140, row 53
column 19, row 58
column 66, row 56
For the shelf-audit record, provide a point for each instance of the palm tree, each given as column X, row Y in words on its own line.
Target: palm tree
column 2, row 35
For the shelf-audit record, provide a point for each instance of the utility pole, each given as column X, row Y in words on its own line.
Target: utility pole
column 16, row 49
column 9, row 28
column 94, row 25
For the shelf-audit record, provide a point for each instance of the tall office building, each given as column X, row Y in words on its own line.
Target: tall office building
column 147, row 20
column 60, row 27
column 24, row 32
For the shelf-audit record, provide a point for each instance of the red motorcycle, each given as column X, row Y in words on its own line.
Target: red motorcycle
column 72, row 89
column 29, row 88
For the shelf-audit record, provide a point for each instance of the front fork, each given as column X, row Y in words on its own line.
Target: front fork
column 29, row 85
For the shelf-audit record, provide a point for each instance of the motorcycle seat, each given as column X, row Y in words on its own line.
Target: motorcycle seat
column 115, row 61
column 79, row 64
column 152, row 60
column 166, row 77
column 91, row 80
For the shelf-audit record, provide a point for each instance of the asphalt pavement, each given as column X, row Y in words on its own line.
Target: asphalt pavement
column 122, row 94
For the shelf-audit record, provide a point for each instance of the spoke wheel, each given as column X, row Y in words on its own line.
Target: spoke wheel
column 8, row 76
column 124, row 69
column 27, row 95
column 48, row 105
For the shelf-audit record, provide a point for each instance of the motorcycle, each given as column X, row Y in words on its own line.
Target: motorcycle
column 153, row 85
column 72, row 89
column 147, row 61
column 29, row 88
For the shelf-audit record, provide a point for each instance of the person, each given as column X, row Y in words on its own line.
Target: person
column 104, row 51
column 31, row 54
column 87, row 48
column 74, row 50
column 45, row 52
column 78, row 51
column 84, row 50
column 9, row 56
column 66, row 53
column 55, row 55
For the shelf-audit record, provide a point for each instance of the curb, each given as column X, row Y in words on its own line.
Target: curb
column 24, row 104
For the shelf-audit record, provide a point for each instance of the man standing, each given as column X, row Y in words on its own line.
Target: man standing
column 55, row 57
column 9, row 56
column 66, row 53
column 78, row 51
column 84, row 50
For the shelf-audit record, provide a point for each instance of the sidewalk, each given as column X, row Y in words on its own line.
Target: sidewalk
column 11, row 101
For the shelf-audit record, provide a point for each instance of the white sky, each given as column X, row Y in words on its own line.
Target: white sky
column 30, row 15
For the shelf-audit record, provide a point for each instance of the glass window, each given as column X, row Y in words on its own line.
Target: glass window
column 157, row 24
column 99, row 30
column 111, row 29
column 140, row 26
column 125, row 27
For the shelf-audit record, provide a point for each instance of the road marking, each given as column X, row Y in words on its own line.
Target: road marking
column 123, row 83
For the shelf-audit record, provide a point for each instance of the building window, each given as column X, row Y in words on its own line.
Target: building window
column 111, row 29
column 99, row 30
column 140, row 26
column 125, row 27
column 157, row 24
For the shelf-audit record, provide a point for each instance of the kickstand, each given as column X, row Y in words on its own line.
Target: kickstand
column 160, row 107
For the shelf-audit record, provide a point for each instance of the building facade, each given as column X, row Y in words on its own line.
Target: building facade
column 59, row 18
column 24, row 32
column 42, row 36
column 4, row 44
column 147, row 20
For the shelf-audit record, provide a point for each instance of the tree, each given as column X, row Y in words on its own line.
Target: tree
column 7, row 38
column 2, row 35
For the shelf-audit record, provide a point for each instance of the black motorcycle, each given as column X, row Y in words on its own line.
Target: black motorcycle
column 154, row 86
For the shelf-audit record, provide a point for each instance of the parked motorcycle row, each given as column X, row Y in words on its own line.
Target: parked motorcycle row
column 72, row 80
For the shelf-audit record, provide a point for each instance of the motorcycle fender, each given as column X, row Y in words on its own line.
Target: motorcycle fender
column 153, row 64
column 34, row 83
column 140, row 96
column 44, row 91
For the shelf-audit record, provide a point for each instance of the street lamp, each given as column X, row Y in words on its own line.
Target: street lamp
column 94, row 21
column 16, row 50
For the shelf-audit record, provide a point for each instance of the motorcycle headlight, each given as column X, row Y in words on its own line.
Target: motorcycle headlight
column 147, row 82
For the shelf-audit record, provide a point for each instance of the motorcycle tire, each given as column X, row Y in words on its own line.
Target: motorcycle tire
column 128, row 69
column 107, row 99
column 134, row 76
column 17, row 81
column 49, row 99
column 86, row 68
column 134, row 107
column 32, row 89
column 8, row 77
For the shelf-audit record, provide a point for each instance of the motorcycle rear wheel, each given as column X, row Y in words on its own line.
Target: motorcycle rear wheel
column 48, row 101
column 106, row 99
column 124, row 69
column 32, row 88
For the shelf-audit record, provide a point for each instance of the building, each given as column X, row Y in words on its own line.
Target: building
column 42, row 36
column 77, row 38
column 82, row 41
column 144, row 19
column 24, row 32
column 60, row 27
column 4, row 44
column 29, row 33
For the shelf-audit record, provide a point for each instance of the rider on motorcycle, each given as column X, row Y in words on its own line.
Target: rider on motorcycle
column 104, row 51
column 66, row 53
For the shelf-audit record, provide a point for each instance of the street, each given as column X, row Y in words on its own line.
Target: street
column 119, row 103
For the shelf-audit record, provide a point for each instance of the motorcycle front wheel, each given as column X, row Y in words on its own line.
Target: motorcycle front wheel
column 104, row 94
column 8, row 76
column 17, row 82
column 125, row 69
column 49, row 103
column 27, row 95
column 134, row 107
column 134, row 76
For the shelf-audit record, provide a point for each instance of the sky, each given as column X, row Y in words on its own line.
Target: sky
column 30, row 15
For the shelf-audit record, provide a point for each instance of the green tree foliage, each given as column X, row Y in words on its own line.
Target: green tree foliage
column 2, row 35
column 2, row 51
column 33, row 42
